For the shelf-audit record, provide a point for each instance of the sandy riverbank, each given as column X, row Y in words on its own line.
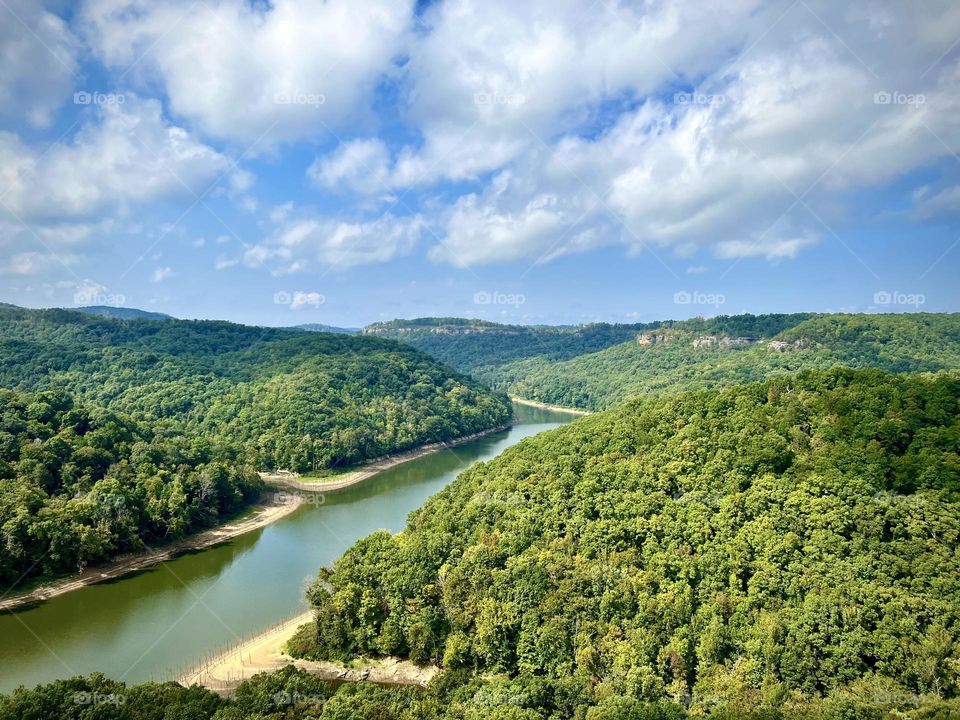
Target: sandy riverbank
column 265, row 653
column 370, row 468
column 545, row 406
column 271, row 507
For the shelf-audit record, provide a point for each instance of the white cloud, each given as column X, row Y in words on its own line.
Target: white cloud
column 162, row 273
column 244, row 70
column 128, row 155
column 734, row 128
column 746, row 167
column 507, row 224
column 777, row 248
column 222, row 263
column 491, row 78
column 360, row 166
column 39, row 62
column 302, row 241
column 938, row 205
column 35, row 263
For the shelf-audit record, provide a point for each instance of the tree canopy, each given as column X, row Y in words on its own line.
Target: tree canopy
column 271, row 397
column 795, row 536
column 117, row 433
column 599, row 366
column 80, row 484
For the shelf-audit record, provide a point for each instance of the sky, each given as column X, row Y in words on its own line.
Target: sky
column 545, row 161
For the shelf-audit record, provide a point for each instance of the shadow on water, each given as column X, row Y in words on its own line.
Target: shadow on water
column 156, row 622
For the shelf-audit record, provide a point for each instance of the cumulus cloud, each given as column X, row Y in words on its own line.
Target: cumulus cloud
column 722, row 126
column 249, row 71
column 127, row 154
column 487, row 80
column 303, row 241
column 162, row 273
column 737, row 163
column 359, row 165
column 35, row 263
column 39, row 62
column 733, row 128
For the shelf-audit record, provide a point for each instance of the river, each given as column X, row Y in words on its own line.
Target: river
column 152, row 625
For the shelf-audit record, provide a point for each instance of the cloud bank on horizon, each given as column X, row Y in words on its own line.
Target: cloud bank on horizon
column 467, row 133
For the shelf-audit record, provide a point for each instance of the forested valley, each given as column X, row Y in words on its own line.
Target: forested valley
column 761, row 547
column 782, row 549
column 81, row 484
column 269, row 397
column 598, row 366
column 118, row 434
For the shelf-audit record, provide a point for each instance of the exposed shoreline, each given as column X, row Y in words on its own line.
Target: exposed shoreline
column 545, row 406
column 372, row 467
column 270, row 508
column 265, row 653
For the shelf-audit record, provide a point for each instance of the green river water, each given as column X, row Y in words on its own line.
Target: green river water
column 151, row 625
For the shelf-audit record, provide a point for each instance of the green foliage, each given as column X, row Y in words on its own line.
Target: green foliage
column 272, row 397
column 919, row 342
column 599, row 366
column 80, row 484
column 714, row 547
column 292, row 694
column 172, row 418
column 479, row 346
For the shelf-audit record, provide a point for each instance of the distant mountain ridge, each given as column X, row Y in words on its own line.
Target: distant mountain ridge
column 121, row 313
column 598, row 366
column 295, row 400
column 320, row 327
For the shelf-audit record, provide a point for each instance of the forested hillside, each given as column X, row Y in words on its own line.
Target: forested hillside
column 122, row 313
column 472, row 346
column 292, row 694
column 762, row 545
column 599, row 366
column 683, row 359
column 270, row 397
column 482, row 348
column 80, row 484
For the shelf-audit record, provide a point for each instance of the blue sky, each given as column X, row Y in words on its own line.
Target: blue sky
column 560, row 162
